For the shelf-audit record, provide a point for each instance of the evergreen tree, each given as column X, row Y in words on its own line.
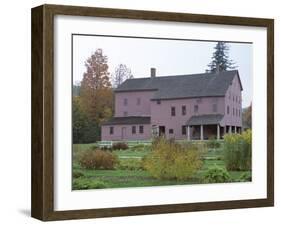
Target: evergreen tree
column 220, row 59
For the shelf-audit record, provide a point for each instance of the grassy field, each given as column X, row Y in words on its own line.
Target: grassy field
column 129, row 172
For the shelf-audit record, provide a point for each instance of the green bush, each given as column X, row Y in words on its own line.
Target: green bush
column 170, row 160
column 216, row 174
column 85, row 183
column 77, row 174
column 238, row 151
column 245, row 177
column 120, row 146
column 213, row 143
column 130, row 164
column 98, row 159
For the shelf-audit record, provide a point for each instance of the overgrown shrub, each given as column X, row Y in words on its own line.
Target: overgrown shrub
column 98, row 159
column 170, row 160
column 216, row 174
column 86, row 183
column 238, row 151
column 120, row 146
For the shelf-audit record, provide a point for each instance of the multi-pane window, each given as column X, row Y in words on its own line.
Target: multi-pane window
column 233, row 111
column 215, row 107
column 125, row 101
column 239, row 112
column 171, row 131
column 173, row 111
column 228, row 110
column 111, row 130
column 141, row 129
column 183, row 130
column 196, row 108
column 183, row 110
column 133, row 129
column 138, row 101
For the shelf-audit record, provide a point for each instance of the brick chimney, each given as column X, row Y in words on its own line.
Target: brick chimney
column 152, row 72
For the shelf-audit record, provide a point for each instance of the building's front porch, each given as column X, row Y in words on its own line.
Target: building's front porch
column 206, row 127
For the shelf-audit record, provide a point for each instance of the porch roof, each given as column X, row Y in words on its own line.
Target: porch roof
column 129, row 120
column 205, row 120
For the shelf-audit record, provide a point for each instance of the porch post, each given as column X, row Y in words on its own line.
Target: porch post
column 235, row 130
column 201, row 133
column 218, row 132
column 188, row 132
column 230, row 129
column 224, row 130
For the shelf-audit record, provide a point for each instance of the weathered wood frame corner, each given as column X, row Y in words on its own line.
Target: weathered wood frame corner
column 42, row 203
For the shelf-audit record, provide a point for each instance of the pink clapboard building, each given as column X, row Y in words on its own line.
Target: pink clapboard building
column 192, row 107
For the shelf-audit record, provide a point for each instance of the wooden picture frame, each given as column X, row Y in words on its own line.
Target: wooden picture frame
column 43, row 112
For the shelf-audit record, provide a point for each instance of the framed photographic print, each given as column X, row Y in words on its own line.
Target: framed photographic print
column 141, row 112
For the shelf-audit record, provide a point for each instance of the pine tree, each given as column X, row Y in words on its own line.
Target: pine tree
column 220, row 59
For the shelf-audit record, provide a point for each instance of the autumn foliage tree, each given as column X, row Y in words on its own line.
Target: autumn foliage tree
column 96, row 91
column 92, row 100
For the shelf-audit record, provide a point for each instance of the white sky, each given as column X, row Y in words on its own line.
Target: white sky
column 169, row 57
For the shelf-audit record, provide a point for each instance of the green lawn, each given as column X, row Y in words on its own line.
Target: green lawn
column 129, row 173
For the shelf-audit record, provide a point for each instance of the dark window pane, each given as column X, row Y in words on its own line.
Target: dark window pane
column 141, row 129
column 171, row 131
column 111, row 129
column 195, row 108
column 183, row 109
column 173, row 111
column 138, row 101
column 133, row 129
column 183, row 130
column 125, row 102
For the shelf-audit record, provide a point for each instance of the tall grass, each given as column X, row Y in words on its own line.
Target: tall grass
column 238, row 151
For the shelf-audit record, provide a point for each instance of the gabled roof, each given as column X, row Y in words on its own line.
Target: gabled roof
column 129, row 120
column 182, row 86
column 204, row 120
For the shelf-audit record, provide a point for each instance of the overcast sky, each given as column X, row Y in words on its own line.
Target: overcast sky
column 169, row 57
